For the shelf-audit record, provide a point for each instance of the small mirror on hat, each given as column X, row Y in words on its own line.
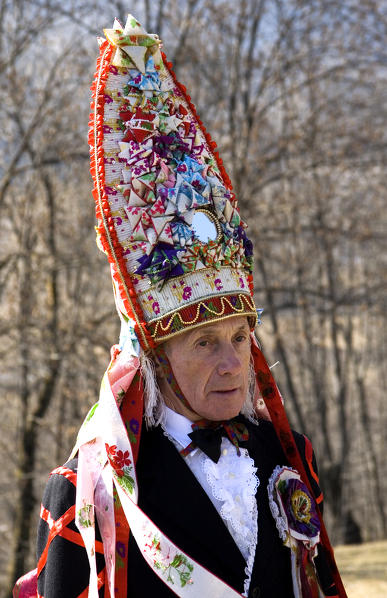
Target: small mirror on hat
column 205, row 226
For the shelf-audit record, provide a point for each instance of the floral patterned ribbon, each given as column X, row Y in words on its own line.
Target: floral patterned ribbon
column 106, row 473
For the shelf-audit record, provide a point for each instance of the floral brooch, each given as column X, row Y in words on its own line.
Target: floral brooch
column 295, row 514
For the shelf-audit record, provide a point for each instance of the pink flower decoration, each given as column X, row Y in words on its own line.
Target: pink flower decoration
column 110, row 191
column 218, row 284
column 156, row 307
column 187, row 292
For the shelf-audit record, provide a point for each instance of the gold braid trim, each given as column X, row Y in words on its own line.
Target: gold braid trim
column 245, row 300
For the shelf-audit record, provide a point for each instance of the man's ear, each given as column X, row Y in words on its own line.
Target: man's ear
column 159, row 370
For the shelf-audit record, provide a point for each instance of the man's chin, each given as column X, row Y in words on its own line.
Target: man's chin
column 227, row 413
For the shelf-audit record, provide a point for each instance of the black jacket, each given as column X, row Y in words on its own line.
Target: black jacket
column 172, row 497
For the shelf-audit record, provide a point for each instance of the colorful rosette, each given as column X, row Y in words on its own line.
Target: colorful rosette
column 294, row 511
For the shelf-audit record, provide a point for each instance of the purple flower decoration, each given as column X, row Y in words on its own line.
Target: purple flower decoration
column 111, row 191
column 240, row 235
column 170, row 146
column 163, row 192
column 121, row 549
column 299, row 507
column 134, row 425
column 187, row 292
column 161, row 264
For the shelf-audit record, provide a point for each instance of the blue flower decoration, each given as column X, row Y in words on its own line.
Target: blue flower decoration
column 150, row 81
column 161, row 264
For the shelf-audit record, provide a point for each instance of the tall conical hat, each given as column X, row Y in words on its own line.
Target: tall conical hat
column 167, row 217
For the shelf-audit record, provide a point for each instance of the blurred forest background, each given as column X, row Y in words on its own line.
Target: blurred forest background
column 294, row 93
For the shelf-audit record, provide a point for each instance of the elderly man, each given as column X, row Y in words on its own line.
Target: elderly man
column 177, row 485
column 215, row 508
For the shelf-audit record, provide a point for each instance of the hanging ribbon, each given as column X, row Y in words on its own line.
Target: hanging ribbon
column 272, row 398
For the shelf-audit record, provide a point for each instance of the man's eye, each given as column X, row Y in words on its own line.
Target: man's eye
column 203, row 343
column 240, row 338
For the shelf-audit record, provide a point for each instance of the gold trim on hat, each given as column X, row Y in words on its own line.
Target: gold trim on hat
column 248, row 309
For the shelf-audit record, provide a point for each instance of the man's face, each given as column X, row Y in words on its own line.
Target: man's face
column 211, row 366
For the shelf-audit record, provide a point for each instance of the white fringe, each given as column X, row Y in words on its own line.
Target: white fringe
column 154, row 412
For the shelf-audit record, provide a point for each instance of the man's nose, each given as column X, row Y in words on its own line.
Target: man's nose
column 229, row 361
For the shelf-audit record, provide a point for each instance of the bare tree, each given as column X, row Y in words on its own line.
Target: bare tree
column 293, row 92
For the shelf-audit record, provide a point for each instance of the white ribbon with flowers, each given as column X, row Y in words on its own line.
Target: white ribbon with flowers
column 105, row 459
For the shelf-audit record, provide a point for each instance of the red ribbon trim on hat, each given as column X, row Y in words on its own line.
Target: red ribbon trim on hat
column 271, row 396
column 106, row 229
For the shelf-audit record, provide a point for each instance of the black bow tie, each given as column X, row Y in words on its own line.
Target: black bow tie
column 208, row 436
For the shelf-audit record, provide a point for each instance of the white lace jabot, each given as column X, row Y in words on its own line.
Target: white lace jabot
column 230, row 484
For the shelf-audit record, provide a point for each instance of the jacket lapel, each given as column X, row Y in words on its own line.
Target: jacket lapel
column 176, row 502
column 272, row 559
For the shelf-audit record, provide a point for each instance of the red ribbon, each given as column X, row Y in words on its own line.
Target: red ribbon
column 272, row 398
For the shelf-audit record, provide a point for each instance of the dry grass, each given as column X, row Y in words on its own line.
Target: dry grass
column 363, row 569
